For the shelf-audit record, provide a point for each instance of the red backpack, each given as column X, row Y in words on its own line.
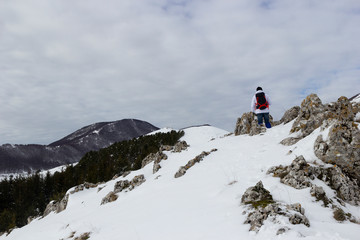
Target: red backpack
column 261, row 102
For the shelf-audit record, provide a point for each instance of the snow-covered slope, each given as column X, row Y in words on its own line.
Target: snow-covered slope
column 205, row 203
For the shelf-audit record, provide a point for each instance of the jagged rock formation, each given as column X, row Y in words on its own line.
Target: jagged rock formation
column 156, row 158
column 248, row 124
column 70, row 149
column 56, row 207
column 300, row 175
column 59, row 206
column 179, row 146
column 342, row 144
column 263, row 207
column 313, row 114
column 123, row 185
column 290, row 115
column 182, row 170
column 83, row 186
column 257, row 195
column 110, row 197
column 341, row 147
column 82, row 236
column 159, row 156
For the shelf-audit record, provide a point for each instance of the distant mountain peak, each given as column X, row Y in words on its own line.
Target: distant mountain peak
column 18, row 158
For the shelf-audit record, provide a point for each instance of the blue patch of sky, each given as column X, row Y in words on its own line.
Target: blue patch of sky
column 312, row 86
column 355, row 11
column 266, row 4
column 178, row 4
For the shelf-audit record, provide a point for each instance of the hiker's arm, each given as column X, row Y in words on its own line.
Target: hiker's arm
column 253, row 104
column 268, row 100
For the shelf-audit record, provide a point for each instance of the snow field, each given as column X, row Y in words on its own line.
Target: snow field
column 205, row 202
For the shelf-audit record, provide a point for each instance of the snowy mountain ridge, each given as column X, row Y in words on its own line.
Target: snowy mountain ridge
column 70, row 149
column 206, row 201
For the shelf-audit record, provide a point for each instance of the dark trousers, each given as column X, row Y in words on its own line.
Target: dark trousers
column 261, row 116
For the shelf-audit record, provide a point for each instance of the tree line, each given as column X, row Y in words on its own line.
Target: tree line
column 23, row 197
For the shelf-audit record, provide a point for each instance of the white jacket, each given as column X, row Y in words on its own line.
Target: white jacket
column 253, row 104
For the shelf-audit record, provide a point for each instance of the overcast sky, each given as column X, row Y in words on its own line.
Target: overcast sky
column 65, row 64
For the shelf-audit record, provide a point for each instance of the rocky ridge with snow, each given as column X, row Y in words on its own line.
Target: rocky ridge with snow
column 298, row 188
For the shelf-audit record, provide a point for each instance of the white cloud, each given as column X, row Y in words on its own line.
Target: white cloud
column 65, row 64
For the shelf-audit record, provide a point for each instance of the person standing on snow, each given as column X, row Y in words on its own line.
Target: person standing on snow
column 260, row 106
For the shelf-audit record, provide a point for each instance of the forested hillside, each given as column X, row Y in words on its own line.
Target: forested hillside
column 23, row 197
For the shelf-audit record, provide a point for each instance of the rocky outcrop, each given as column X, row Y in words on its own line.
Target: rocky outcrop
column 341, row 147
column 257, row 196
column 123, row 185
column 261, row 207
column 300, row 175
column 320, row 195
column 290, row 141
column 129, row 185
column 178, row 147
column 83, row 186
column 244, row 124
column 311, row 115
column 83, row 236
column 182, row 170
column 56, row 206
column 248, row 124
column 290, row 115
column 59, row 206
column 110, row 197
column 156, row 158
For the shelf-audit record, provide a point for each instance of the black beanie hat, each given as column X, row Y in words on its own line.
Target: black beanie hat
column 259, row 88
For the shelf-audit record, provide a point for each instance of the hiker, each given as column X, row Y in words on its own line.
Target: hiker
column 260, row 106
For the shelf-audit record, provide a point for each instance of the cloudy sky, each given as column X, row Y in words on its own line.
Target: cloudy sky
column 65, row 64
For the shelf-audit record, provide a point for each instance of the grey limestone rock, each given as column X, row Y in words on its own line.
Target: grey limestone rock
column 57, row 207
column 297, row 175
column 243, row 124
column 248, row 124
column 110, row 197
column 290, row 141
column 182, row 170
column 290, row 115
column 137, row 181
column 341, row 148
column 153, row 157
column 180, row 146
column 311, row 115
column 262, row 206
column 123, row 185
column 83, row 186
column 129, row 185
column 299, row 219
column 300, row 175
column 257, row 195
column 320, row 195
